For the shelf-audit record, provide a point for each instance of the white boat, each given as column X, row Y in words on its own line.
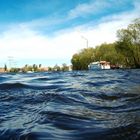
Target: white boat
column 30, row 72
column 105, row 65
column 99, row 65
column 94, row 65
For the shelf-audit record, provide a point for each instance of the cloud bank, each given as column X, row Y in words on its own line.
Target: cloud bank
column 23, row 42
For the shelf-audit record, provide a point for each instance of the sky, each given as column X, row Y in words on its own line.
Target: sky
column 49, row 32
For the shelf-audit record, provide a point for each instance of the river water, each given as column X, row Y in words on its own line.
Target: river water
column 79, row 105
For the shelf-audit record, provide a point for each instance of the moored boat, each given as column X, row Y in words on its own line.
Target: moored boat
column 99, row 65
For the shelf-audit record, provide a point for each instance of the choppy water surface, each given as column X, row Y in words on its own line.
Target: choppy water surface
column 100, row 105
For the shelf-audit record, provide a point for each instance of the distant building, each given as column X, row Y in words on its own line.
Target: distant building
column 44, row 69
column 70, row 68
column 2, row 70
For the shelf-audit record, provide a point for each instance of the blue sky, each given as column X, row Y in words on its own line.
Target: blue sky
column 49, row 31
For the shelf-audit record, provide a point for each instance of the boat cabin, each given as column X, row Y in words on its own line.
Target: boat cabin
column 99, row 65
column 105, row 65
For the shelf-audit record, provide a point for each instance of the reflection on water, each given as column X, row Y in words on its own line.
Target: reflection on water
column 101, row 105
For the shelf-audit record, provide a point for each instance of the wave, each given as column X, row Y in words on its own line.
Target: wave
column 130, row 132
column 101, row 105
column 7, row 86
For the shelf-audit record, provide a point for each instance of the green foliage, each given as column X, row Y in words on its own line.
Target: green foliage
column 64, row 67
column 81, row 60
column 128, row 44
column 50, row 68
column 39, row 65
column 15, row 70
column 56, row 68
column 33, row 68
column 107, row 52
column 5, row 67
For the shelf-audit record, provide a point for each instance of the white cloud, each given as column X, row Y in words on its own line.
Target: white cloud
column 88, row 8
column 25, row 43
column 94, row 7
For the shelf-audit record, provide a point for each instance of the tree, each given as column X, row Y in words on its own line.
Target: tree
column 107, row 52
column 14, row 70
column 5, row 67
column 81, row 60
column 39, row 65
column 128, row 44
column 56, row 68
column 26, row 66
column 50, row 68
column 35, row 67
column 76, row 62
column 65, row 67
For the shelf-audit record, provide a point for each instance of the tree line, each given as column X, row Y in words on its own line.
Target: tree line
column 37, row 68
column 124, row 52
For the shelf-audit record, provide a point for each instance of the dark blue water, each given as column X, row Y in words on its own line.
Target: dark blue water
column 87, row 105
